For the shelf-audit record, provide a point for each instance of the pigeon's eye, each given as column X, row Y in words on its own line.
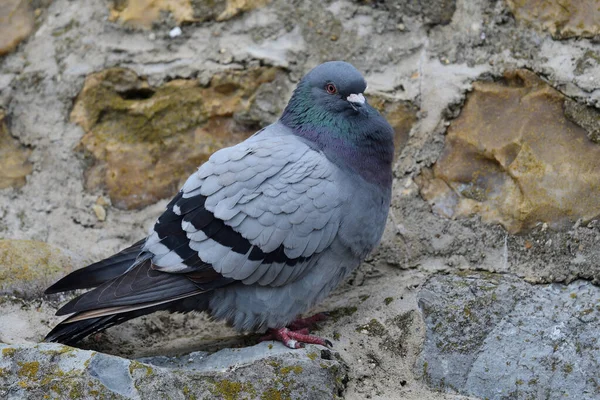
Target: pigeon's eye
column 331, row 89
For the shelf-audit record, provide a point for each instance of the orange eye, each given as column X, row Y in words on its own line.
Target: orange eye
column 331, row 89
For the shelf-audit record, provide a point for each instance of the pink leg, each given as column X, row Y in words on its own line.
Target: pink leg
column 294, row 339
column 307, row 322
column 271, row 336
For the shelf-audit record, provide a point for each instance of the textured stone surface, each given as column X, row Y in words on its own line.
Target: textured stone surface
column 143, row 13
column 513, row 157
column 431, row 12
column 28, row 267
column 498, row 337
column 264, row 371
column 425, row 54
column 400, row 115
column 14, row 164
column 25, row 321
column 145, row 141
column 586, row 117
column 16, row 23
column 562, row 18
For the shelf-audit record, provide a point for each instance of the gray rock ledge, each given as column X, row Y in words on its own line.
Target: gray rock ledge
column 499, row 337
column 265, row 371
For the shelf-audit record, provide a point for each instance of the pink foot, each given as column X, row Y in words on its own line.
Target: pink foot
column 294, row 339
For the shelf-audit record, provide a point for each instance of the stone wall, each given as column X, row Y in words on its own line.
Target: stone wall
column 492, row 239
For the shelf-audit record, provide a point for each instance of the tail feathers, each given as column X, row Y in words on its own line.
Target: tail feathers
column 71, row 332
column 101, row 312
column 128, row 287
column 95, row 274
column 140, row 287
column 74, row 329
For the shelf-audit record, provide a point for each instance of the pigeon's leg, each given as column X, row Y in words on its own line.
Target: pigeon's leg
column 294, row 339
column 307, row 322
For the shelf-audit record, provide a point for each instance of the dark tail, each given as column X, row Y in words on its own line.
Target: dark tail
column 95, row 274
column 127, row 286
column 70, row 333
column 141, row 290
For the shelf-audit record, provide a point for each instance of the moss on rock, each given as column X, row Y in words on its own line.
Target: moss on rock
column 27, row 267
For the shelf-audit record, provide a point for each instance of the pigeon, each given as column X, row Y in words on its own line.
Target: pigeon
column 263, row 230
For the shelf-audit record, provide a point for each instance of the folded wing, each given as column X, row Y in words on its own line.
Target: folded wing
column 255, row 213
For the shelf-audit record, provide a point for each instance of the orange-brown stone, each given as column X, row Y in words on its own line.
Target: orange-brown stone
column 16, row 23
column 144, row 141
column 562, row 18
column 400, row 114
column 513, row 157
column 143, row 13
column 14, row 166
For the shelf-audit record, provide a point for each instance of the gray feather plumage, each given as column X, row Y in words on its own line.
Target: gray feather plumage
column 299, row 200
column 267, row 228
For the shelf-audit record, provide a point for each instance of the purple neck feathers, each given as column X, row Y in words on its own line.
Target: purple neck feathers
column 368, row 157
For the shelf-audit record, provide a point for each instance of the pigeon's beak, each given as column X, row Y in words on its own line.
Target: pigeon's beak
column 356, row 100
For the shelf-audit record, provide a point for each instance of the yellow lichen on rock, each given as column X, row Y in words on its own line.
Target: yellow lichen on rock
column 28, row 267
column 562, row 18
column 514, row 158
column 235, row 7
column 143, row 13
column 145, row 141
column 16, row 23
column 14, row 166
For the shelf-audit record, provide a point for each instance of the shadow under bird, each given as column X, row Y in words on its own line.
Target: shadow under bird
column 263, row 230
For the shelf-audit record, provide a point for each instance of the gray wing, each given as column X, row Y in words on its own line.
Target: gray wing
column 257, row 212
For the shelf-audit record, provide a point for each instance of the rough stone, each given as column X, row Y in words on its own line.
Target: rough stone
column 432, row 12
column 513, row 157
column 401, row 116
column 235, row 7
column 25, row 321
column 16, row 23
column 264, row 371
column 586, row 117
column 422, row 53
column 143, row 13
column 28, row 267
column 145, row 141
column 563, row 19
column 100, row 212
column 496, row 337
column 14, row 164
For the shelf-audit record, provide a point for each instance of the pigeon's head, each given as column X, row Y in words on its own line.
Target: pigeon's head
column 328, row 108
column 330, row 89
column 336, row 86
